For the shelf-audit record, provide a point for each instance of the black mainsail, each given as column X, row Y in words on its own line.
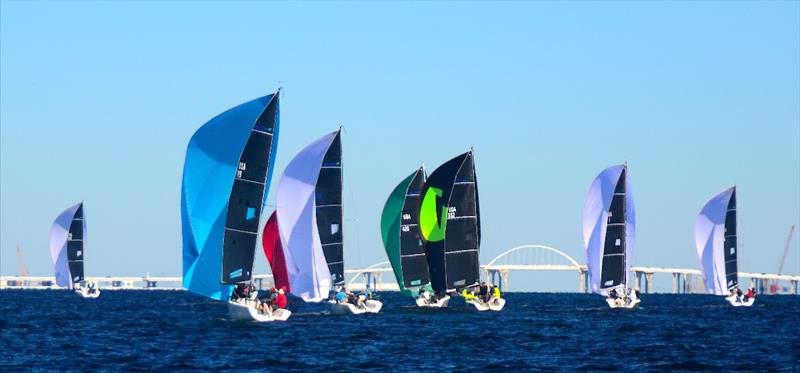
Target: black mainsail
column 413, row 264
column 730, row 246
column 613, row 272
column 329, row 210
column 247, row 197
column 75, row 246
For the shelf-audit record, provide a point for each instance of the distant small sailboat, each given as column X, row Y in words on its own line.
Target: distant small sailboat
column 715, row 236
column 226, row 176
column 449, row 222
column 310, row 221
column 609, row 234
column 67, row 237
column 401, row 235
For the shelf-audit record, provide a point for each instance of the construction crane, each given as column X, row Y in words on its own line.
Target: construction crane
column 775, row 287
column 22, row 269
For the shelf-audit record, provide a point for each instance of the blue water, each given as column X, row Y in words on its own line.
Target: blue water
column 171, row 331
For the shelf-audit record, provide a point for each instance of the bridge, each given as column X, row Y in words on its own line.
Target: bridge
column 546, row 258
column 497, row 271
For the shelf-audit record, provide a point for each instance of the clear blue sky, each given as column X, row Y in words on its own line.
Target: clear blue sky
column 99, row 100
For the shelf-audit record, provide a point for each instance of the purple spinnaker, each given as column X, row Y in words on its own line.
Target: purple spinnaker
column 59, row 233
column 595, row 220
column 709, row 239
column 309, row 276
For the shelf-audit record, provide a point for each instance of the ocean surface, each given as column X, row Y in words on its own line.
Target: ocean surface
column 178, row 331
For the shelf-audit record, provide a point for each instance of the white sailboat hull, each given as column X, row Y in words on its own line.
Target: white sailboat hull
column 245, row 310
column 734, row 301
column 495, row 304
column 440, row 303
column 370, row 306
column 619, row 303
column 84, row 293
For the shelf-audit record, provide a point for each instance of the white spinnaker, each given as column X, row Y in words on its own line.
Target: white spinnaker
column 309, row 276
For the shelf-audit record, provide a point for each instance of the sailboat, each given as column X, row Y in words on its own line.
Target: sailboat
column 401, row 235
column 226, row 176
column 67, row 238
column 310, row 222
column 450, row 225
column 716, row 241
column 608, row 235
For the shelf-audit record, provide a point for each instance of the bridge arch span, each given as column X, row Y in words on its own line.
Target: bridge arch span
column 532, row 248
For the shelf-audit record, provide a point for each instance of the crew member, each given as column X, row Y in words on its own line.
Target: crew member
column 341, row 297
column 280, row 299
column 496, row 292
column 483, row 291
column 751, row 293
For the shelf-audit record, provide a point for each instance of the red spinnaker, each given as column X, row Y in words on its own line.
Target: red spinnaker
column 271, row 240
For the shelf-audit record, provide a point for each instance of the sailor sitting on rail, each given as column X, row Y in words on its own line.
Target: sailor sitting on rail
column 468, row 295
column 424, row 294
column 495, row 294
column 341, row 296
column 633, row 294
column 751, row 293
column 619, row 298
